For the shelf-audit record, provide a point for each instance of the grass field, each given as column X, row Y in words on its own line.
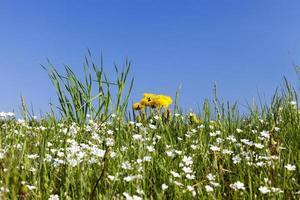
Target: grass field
column 97, row 150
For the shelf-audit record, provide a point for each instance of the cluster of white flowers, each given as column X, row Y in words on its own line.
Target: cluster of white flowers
column 3, row 190
column 214, row 134
column 53, row 197
column 191, row 189
column 212, row 184
column 144, row 147
column 214, row 148
column 5, row 116
column 186, row 166
column 126, row 165
column 173, row 152
column 74, row 154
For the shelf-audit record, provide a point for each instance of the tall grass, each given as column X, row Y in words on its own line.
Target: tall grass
column 77, row 98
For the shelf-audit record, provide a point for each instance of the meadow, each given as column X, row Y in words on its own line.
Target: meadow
column 98, row 147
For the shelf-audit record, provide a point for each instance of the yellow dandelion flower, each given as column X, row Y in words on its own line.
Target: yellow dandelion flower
column 148, row 99
column 162, row 101
column 153, row 100
column 138, row 106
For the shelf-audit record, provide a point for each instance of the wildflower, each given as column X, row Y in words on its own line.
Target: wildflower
column 129, row 197
column 214, row 148
column 32, row 169
column 139, row 124
column 237, row 186
column 150, row 148
column 260, row 164
column 236, row 159
column 32, row 156
column 110, row 132
column 147, row 158
column 4, row 115
column 187, row 170
column 148, row 100
column 164, row 187
column 187, row 160
column 264, row 189
column 293, row 103
column 156, row 117
column 124, row 149
column 3, row 189
column 194, row 130
column 247, row 142
column 191, row 189
column 140, row 191
column 138, row 106
column 31, row 187
column 152, row 126
column 137, row 137
column 213, row 134
column 290, row 167
column 110, row 177
column 175, row 174
column 231, row 138
column 131, row 178
column 219, row 140
column 210, row 177
column 97, row 152
column 258, row 145
column 158, row 137
column 178, row 152
column 139, row 161
column 53, row 197
column 178, row 183
column 190, row 176
column 126, row 165
column 170, row 153
column 276, row 190
column 215, row 184
column 2, row 153
column 201, row 126
column 162, row 101
column 239, row 130
column 226, row 151
column 110, row 142
column 208, row 188
column 265, row 134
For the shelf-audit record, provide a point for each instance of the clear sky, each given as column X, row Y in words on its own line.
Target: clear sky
column 245, row 46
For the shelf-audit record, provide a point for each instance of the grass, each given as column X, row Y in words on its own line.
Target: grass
column 97, row 151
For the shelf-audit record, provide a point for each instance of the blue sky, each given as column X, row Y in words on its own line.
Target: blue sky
column 245, row 46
